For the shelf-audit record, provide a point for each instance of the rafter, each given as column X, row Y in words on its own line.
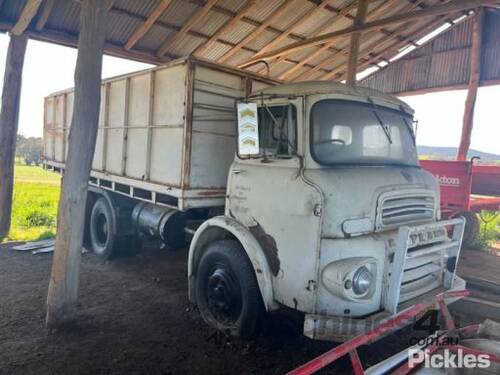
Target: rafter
column 229, row 25
column 303, row 19
column 269, row 20
column 148, row 24
column 354, row 43
column 44, row 16
column 412, row 33
column 324, row 49
column 29, row 12
column 455, row 6
column 173, row 41
column 339, row 13
column 389, row 35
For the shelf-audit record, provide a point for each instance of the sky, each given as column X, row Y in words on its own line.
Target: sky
column 49, row 68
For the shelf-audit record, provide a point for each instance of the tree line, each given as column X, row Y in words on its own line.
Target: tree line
column 29, row 149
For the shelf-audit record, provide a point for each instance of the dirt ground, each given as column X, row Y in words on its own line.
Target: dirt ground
column 134, row 318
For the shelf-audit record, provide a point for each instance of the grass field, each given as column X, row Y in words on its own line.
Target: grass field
column 34, row 211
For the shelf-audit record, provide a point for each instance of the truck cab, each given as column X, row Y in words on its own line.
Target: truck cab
column 327, row 212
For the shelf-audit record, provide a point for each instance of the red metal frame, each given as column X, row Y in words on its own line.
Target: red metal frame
column 459, row 180
column 392, row 324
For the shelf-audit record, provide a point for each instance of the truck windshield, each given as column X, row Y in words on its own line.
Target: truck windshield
column 347, row 132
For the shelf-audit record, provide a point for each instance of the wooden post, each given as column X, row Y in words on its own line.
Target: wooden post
column 352, row 63
column 9, row 118
column 474, row 78
column 63, row 285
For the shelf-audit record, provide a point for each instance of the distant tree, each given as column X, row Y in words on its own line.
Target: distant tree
column 29, row 149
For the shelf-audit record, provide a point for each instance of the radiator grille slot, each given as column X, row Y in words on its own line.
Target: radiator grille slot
column 399, row 210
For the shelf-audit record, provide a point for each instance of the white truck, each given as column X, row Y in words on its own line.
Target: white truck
column 306, row 195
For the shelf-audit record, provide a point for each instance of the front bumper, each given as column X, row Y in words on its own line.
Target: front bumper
column 340, row 329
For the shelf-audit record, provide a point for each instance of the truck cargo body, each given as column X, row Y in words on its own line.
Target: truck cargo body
column 166, row 135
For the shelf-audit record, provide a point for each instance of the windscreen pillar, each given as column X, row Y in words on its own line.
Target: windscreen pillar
column 9, row 119
column 352, row 63
column 474, row 80
column 64, row 279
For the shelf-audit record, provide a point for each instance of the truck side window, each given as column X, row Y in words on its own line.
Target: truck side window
column 278, row 130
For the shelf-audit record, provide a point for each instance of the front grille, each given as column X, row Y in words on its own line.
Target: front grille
column 407, row 209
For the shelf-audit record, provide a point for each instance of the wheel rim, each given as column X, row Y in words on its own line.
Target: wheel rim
column 223, row 294
column 102, row 229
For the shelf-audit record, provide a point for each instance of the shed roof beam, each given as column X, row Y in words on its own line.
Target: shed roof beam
column 44, row 16
column 173, row 41
column 228, row 26
column 413, row 32
column 148, row 24
column 29, row 12
column 352, row 63
column 455, row 6
column 254, row 33
column 374, row 13
column 295, row 25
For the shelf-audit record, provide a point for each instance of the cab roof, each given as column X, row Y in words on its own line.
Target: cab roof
column 325, row 87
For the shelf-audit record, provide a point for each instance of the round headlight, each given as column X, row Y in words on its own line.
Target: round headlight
column 362, row 280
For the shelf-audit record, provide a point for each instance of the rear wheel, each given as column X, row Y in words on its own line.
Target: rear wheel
column 227, row 293
column 105, row 240
column 471, row 229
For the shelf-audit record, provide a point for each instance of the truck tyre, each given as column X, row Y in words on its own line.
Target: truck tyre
column 103, row 236
column 471, row 229
column 227, row 293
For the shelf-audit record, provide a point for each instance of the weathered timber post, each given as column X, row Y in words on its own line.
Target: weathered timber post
column 63, row 286
column 9, row 119
column 352, row 63
column 474, row 78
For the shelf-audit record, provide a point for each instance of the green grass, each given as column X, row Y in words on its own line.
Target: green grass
column 489, row 230
column 34, row 210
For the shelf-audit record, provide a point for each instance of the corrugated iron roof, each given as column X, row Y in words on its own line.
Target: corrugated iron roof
column 297, row 21
column 443, row 62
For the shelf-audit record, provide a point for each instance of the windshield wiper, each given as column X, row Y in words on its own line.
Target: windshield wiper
column 379, row 119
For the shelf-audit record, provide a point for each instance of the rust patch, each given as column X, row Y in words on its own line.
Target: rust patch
column 211, row 193
column 268, row 244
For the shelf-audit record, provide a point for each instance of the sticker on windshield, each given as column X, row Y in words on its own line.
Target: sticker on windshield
column 248, row 129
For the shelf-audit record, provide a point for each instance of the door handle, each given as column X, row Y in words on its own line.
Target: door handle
column 238, row 171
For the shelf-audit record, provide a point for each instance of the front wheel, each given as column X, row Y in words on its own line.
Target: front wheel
column 227, row 293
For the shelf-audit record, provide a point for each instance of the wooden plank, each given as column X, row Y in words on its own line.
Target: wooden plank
column 352, row 62
column 229, row 25
column 374, row 13
column 148, row 24
column 255, row 33
column 9, row 120
column 64, row 279
column 474, row 77
column 417, row 31
column 455, row 6
column 44, row 16
column 173, row 41
column 29, row 12
column 313, row 12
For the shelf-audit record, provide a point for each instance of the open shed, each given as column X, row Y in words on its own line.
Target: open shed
column 288, row 40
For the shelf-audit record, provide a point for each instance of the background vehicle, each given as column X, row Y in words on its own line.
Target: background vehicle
column 466, row 189
column 324, row 209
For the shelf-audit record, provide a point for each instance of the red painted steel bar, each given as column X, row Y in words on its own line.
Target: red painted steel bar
column 388, row 326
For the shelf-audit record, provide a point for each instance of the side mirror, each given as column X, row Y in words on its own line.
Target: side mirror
column 248, row 129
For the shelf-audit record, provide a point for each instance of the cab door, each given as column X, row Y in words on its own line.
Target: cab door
column 270, row 196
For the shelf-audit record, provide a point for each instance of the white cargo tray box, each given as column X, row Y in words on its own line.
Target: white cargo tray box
column 166, row 135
